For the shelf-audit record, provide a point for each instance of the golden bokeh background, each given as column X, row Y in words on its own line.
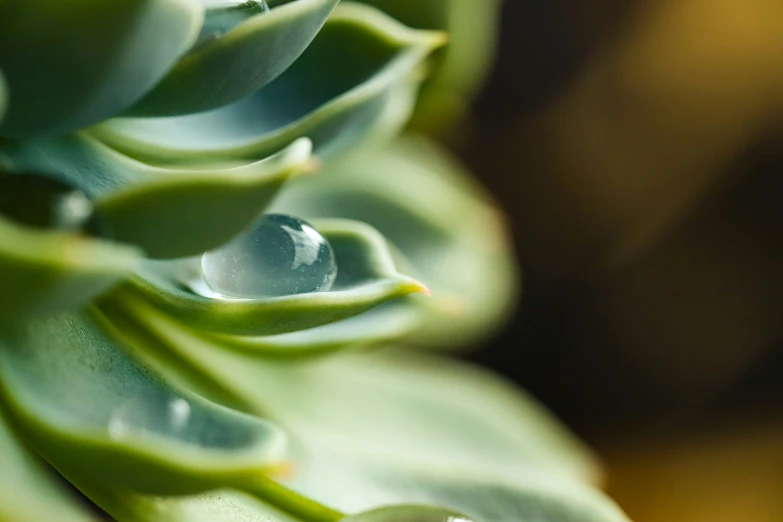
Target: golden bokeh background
column 637, row 146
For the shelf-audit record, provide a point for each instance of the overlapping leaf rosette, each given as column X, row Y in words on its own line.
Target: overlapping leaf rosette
column 138, row 135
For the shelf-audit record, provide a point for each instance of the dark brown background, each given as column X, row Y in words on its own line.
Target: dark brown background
column 636, row 146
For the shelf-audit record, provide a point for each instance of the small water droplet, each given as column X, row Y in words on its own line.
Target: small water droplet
column 407, row 514
column 156, row 413
column 44, row 202
column 279, row 255
column 223, row 15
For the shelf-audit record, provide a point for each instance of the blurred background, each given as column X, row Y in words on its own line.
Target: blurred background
column 637, row 147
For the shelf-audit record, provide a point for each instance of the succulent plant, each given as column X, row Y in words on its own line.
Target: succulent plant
column 179, row 342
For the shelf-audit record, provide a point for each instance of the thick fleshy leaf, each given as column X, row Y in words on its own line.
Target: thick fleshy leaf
column 47, row 271
column 239, row 63
column 71, row 64
column 3, row 96
column 418, row 412
column 28, row 490
column 90, row 409
column 407, row 513
column 528, row 499
column 371, row 431
column 358, row 78
column 164, row 211
column 462, row 66
column 221, row 367
column 440, row 220
column 366, row 277
column 216, row 506
column 382, row 324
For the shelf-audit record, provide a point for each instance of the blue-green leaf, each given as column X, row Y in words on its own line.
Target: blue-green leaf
column 357, row 79
column 366, row 278
column 442, row 223
column 370, row 431
column 168, row 212
column 72, row 64
column 530, row 498
column 28, row 490
column 45, row 271
column 91, row 410
column 459, row 69
column 3, row 96
column 418, row 413
column 240, row 62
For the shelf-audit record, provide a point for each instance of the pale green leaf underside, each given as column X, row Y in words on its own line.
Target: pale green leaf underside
column 419, row 413
column 239, row 63
column 46, row 271
column 369, row 432
column 366, row 277
column 91, row 409
column 358, row 78
column 530, row 498
column 72, row 64
column 167, row 212
column 443, row 225
column 28, row 489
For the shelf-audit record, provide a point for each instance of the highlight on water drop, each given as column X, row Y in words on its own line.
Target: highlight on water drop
column 278, row 255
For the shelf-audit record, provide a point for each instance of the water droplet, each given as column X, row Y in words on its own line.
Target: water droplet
column 156, row 413
column 407, row 514
column 279, row 255
column 44, row 202
column 223, row 15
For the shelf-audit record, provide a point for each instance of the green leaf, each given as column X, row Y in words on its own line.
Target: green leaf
column 91, row 410
column 385, row 323
column 28, row 490
column 528, row 499
column 376, row 430
column 216, row 506
column 443, row 224
column 241, row 62
column 366, row 278
column 419, row 413
column 407, row 514
column 462, row 67
column 71, row 64
column 357, row 79
column 168, row 212
column 3, row 97
column 44, row 271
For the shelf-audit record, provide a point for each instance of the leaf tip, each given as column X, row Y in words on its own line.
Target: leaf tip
column 415, row 287
column 283, row 470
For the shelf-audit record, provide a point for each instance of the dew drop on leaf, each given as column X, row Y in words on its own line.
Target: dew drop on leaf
column 44, row 202
column 157, row 413
column 279, row 255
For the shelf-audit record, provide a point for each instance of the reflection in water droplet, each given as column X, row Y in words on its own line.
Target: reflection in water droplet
column 224, row 15
column 155, row 413
column 279, row 255
column 407, row 514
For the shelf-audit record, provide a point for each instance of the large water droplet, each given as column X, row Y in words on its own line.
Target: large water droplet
column 157, row 413
column 223, row 15
column 407, row 514
column 44, row 202
column 279, row 255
